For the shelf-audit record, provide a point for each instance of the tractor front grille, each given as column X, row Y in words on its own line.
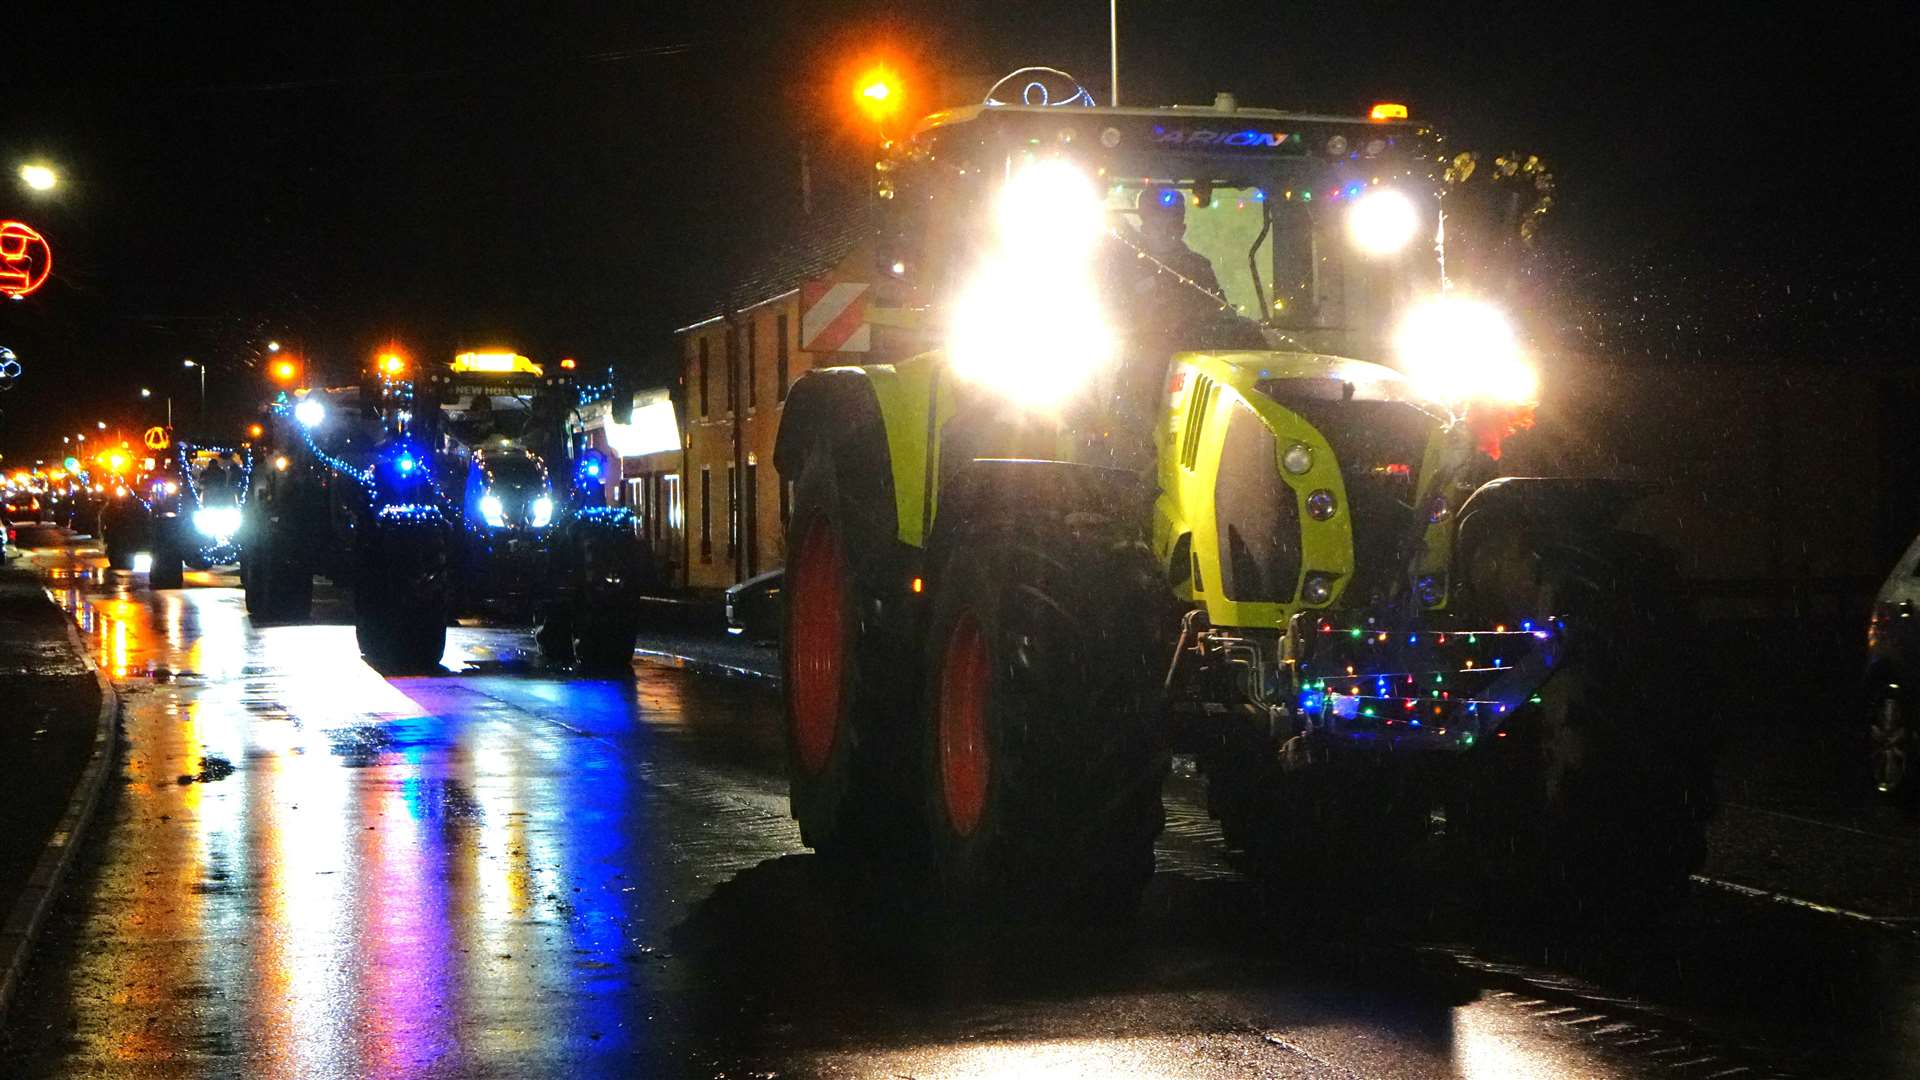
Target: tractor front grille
column 1379, row 445
column 1256, row 514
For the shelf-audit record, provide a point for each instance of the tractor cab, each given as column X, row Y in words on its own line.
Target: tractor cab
column 1057, row 246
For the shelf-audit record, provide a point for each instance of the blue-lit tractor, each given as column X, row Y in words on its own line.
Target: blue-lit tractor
column 185, row 514
column 443, row 493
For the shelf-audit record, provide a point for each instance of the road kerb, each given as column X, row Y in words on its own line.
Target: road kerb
column 29, row 913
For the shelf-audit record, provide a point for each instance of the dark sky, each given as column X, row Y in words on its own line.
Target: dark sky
column 571, row 179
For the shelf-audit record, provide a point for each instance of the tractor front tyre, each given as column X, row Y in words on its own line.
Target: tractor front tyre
column 400, row 596
column 1043, row 767
column 1598, row 800
column 847, row 757
column 169, row 569
column 119, row 553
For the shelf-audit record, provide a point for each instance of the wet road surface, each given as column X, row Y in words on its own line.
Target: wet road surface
column 311, row 870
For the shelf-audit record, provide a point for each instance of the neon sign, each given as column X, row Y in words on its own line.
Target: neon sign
column 25, row 259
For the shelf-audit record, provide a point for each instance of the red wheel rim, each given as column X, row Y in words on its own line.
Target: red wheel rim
column 964, row 759
column 816, row 642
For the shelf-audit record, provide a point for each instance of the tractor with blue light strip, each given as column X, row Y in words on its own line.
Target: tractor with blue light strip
column 434, row 490
column 185, row 514
column 1181, row 435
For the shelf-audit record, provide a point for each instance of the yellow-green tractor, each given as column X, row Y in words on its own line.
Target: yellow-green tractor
column 1139, row 491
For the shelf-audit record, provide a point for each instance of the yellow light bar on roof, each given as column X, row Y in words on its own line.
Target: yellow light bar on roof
column 1387, row 110
column 495, row 363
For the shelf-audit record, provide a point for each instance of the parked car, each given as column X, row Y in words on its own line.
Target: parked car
column 1893, row 662
column 753, row 607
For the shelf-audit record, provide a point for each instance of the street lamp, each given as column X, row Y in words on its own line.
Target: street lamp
column 203, row 382
column 145, row 393
column 273, row 346
column 100, row 424
column 39, row 177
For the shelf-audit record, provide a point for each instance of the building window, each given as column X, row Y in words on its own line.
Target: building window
column 670, row 497
column 753, row 351
column 704, row 410
column 780, row 357
column 706, row 514
column 752, row 522
column 733, row 511
column 733, row 369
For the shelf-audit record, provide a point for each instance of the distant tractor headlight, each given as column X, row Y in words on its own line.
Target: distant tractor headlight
column 1317, row 588
column 310, row 413
column 217, row 523
column 1382, row 222
column 493, row 511
column 1297, row 459
column 1457, row 350
column 542, row 512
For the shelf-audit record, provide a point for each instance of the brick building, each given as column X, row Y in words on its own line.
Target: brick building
column 720, row 500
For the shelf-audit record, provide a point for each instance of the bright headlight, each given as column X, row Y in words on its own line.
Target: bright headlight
column 1382, row 222
column 492, row 511
column 1029, row 324
column 1457, row 350
column 309, row 412
column 218, row 523
column 1050, row 209
column 1035, row 349
column 542, row 512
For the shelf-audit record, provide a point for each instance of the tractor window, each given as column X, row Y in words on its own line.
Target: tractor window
column 1223, row 225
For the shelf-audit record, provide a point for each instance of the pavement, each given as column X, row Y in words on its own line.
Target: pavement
column 56, row 740
column 307, row 869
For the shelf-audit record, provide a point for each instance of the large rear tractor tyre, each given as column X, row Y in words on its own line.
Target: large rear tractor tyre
column 400, row 596
column 1042, row 762
column 848, row 760
column 611, row 569
column 277, row 583
column 1598, row 799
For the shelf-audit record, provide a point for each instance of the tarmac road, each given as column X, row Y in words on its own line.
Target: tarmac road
column 311, row 870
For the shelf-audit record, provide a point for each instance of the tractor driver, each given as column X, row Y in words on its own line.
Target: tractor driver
column 1163, row 235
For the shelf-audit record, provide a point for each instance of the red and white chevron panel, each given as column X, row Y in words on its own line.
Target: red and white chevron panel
column 833, row 317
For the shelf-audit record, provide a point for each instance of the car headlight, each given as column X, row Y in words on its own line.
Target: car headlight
column 1382, row 222
column 1456, row 350
column 492, row 511
column 218, row 523
column 1029, row 324
column 542, row 512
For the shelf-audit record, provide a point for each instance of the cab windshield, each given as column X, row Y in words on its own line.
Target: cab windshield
column 1270, row 253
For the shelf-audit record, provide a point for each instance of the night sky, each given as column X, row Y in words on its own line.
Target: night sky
column 577, row 179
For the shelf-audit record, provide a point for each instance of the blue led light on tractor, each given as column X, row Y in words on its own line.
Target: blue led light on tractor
column 405, row 463
column 1169, row 197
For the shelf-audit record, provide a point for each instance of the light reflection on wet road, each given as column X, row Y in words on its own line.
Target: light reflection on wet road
column 312, row 870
